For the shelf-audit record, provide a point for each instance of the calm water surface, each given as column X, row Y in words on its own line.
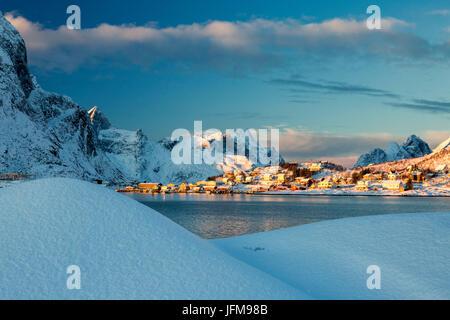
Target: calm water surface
column 219, row 216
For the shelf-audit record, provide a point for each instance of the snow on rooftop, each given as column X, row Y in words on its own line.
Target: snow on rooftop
column 124, row 250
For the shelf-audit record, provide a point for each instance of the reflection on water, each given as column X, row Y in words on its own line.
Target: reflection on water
column 219, row 216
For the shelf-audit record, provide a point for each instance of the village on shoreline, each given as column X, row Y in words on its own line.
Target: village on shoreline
column 312, row 178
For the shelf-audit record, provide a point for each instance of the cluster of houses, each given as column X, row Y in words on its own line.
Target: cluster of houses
column 209, row 186
column 399, row 181
column 292, row 176
column 13, row 176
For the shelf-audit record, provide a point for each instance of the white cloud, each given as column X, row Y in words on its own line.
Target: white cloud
column 301, row 144
column 239, row 45
column 435, row 137
column 305, row 144
column 440, row 12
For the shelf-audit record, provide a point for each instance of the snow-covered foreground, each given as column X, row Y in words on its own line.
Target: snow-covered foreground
column 329, row 260
column 127, row 250
column 123, row 248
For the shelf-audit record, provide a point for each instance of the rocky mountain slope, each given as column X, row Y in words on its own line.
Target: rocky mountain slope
column 43, row 133
column 142, row 159
column 413, row 147
column 47, row 134
column 430, row 161
column 444, row 145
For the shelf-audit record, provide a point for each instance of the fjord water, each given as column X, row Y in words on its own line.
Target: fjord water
column 221, row 216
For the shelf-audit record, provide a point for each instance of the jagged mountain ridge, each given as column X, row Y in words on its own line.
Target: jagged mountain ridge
column 42, row 133
column 430, row 161
column 47, row 134
column 413, row 147
column 143, row 159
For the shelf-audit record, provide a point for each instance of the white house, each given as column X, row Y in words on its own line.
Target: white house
column 393, row 185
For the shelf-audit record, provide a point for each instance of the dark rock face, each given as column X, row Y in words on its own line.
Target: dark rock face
column 13, row 44
column 412, row 148
column 416, row 147
column 377, row 155
column 42, row 133
column 46, row 134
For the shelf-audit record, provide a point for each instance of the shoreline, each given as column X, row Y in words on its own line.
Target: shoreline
column 351, row 195
column 308, row 194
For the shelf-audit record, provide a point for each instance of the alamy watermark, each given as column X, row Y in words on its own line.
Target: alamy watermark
column 374, row 280
column 74, row 279
column 74, row 20
column 374, row 21
column 212, row 146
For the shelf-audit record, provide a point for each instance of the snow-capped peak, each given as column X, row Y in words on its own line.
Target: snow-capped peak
column 416, row 147
column 47, row 134
column 92, row 112
column 413, row 147
column 445, row 144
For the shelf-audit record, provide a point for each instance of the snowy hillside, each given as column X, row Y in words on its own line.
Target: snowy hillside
column 124, row 250
column 445, row 144
column 47, row 134
column 329, row 260
column 142, row 159
column 413, row 147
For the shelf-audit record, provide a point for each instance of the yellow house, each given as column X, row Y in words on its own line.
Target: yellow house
column 392, row 176
column 281, row 177
column 372, row 177
column 315, row 167
column 151, row 186
column 183, row 188
column 302, row 181
column 416, row 176
column 202, row 183
column 326, row 184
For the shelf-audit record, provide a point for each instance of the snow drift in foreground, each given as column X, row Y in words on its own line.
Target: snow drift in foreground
column 124, row 249
column 328, row 260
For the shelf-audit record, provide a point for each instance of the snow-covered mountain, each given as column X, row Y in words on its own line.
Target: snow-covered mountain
column 142, row 159
column 413, row 147
column 42, row 133
column 430, row 161
column 47, row 134
column 444, row 145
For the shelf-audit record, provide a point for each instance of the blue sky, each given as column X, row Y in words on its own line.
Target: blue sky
column 311, row 68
